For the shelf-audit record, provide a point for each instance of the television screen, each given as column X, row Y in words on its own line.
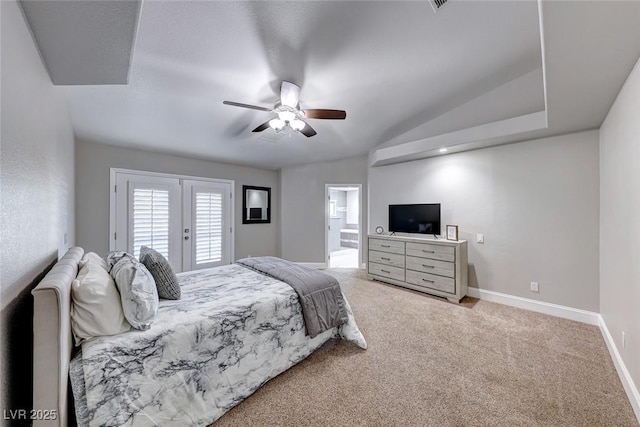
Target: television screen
column 419, row 218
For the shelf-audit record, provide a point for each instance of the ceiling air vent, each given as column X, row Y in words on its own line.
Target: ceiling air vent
column 271, row 136
column 437, row 4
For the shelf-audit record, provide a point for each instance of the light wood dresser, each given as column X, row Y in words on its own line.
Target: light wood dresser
column 437, row 267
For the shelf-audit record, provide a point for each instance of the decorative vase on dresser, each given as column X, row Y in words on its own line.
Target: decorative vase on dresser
column 437, row 267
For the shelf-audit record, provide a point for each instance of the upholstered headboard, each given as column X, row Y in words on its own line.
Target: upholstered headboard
column 52, row 340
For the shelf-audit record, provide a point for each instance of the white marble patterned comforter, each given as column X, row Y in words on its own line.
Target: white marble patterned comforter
column 233, row 330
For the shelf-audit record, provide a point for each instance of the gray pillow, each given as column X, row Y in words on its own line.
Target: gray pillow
column 166, row 280
column 137, row 288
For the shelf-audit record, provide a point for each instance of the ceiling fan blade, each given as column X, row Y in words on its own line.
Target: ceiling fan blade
column 289, row 94
column 316, row 113
column 308, row 131
column 262, row 127
column 253, row 107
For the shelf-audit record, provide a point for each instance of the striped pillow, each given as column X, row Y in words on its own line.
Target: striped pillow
column 166, row 280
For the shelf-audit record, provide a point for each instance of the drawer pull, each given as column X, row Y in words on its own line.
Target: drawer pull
column 426, row 280
column 428, row 252
column 386, row 259
column 428, row 266
column 386, row 246
column 385, row 271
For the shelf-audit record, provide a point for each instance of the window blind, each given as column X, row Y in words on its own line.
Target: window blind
column 208, row 231
column 151, row 220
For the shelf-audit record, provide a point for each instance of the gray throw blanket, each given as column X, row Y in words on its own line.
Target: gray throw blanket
column 322, row 302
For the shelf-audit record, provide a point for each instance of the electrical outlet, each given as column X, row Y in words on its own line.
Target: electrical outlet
column 534, row 287
column 624, row 339
column 480, row 238
column 249, row 256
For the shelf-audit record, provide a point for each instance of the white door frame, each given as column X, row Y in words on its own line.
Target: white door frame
column 112, row 201
column 326, row 221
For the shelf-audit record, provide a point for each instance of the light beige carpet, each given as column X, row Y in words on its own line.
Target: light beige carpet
column 433, row 363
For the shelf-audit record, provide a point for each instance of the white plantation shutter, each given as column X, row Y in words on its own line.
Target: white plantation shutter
column 150, row 220
column 208, row 227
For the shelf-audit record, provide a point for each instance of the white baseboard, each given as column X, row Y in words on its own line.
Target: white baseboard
column 627, row 382
column 578, row 315
column 317, row 265
column 556, row 310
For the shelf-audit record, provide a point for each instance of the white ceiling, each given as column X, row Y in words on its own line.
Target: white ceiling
column 84, row 42
column 402, row 73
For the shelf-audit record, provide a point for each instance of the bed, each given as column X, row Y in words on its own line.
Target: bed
column 232, row 331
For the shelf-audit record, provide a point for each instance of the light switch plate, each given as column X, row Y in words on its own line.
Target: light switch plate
column 480, row 238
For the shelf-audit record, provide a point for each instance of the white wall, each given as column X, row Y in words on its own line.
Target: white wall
column 619, row 224
column 36, row 193
column 353, row 207
column 302, row 234
column 536, row 203
column 93, row 162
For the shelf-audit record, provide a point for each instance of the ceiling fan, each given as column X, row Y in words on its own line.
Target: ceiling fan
column 289, row 112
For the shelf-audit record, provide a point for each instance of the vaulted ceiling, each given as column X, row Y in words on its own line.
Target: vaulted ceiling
column 477, row 73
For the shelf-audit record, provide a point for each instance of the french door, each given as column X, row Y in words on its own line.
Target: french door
column 189, row 221
column 205, row 228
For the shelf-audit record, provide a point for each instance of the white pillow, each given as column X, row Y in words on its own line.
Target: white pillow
column 94, row 258
column 137, row 287
column 96, row 309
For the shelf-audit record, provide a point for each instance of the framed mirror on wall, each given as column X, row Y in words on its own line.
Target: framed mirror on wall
column 256, row 205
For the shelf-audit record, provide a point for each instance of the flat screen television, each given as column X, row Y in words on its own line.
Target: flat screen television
column 419, row 218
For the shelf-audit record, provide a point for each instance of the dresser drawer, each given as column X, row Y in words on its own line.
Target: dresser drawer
column 432, row 281
column 427, row 250
column 426, row 265
column 390, row 246
column 386, row 258
column 396, row 273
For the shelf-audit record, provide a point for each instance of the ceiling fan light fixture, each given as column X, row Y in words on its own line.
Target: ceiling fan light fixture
column 289, row 113
column 297, row 125
column 287, row 116
column 276, row 124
